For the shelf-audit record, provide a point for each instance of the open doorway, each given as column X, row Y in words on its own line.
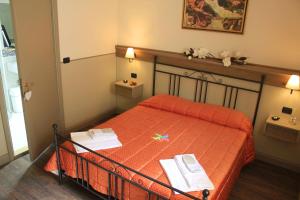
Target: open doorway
column 10, row 81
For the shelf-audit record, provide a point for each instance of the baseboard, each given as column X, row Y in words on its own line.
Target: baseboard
column 278, row 162
column 4, row 159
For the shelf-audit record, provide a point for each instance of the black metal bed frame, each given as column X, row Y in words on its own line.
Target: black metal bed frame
column 115, row 180
column 231, row 93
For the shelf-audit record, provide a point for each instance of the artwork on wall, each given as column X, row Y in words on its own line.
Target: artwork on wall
column 215, row 15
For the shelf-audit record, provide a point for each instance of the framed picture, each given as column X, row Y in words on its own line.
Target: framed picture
column 215, row 15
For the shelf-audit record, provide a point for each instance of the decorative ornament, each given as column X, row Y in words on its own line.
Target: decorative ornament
column 238, row 59
column 161, row 138
column 195, row 53
column 225, row 54
column 189, row 52
column 227, row 61
column 226, row 58
column 203, row 53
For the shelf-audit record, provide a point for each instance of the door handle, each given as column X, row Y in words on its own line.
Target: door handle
column 26, row 88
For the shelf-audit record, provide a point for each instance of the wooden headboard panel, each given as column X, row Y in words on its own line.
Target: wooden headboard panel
column 274, row 76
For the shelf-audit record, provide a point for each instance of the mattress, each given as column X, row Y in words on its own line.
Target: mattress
column 220, row 138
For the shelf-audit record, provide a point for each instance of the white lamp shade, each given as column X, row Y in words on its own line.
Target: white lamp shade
column 130, row 53
column 293, row 83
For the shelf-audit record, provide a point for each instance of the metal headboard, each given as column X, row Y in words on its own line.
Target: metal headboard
column 202, row 83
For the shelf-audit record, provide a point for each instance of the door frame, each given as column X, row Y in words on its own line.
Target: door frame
column 55, row 34
column 58, row 63
column 9, row 156
column 5, row 123
column 3, row 107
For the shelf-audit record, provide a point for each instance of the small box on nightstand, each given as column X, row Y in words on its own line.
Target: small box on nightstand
column 130, row 91
column 283, row 129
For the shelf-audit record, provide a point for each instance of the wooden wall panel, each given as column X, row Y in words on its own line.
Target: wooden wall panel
column 275, row 76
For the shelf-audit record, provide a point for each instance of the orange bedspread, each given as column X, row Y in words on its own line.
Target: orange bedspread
column 220, row 138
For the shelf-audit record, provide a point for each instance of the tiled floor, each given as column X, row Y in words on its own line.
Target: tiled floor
column 18, row 133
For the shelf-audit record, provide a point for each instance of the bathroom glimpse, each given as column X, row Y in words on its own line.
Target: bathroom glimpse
column 10, row 82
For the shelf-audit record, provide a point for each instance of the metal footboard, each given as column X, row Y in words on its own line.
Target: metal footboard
column 115, row 179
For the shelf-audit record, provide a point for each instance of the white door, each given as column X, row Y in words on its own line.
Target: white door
column 37, row 70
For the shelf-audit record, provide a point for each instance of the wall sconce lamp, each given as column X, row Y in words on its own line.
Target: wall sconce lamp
column 293, row 83
column 130, row 54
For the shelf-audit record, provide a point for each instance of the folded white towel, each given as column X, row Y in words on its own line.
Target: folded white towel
column 102, row 134
column 182, row 179
column 81, row 137
column 191, row 163
column 175, row 177
column 108, row 144
column 94, row 143
column 197, row 179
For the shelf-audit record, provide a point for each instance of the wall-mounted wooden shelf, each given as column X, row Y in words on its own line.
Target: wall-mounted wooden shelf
column 274, row 75
column 130, row 91
column 283, row 129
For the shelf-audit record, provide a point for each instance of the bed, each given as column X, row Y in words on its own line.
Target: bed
column 220, row 138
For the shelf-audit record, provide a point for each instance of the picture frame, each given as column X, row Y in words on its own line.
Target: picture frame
column 215, row 15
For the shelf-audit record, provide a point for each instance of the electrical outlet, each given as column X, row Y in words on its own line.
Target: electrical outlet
column 287, row 110
column 133, row 75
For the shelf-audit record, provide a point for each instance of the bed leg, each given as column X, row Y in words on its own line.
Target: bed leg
column 205, row 194
column 55, row 131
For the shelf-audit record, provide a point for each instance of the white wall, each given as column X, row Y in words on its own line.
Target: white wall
column 268, row 39
column 87, row 28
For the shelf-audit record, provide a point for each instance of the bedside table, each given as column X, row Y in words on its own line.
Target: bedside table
column 126, row 90
column 283, row 129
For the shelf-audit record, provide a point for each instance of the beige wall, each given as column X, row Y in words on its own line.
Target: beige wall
column 269, row 38
column 271, row 33
column 87, row 28
column 87, row 33
column 88, row 89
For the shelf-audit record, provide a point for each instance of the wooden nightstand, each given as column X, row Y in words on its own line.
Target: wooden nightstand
column 126, row 90
column 283, row 129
